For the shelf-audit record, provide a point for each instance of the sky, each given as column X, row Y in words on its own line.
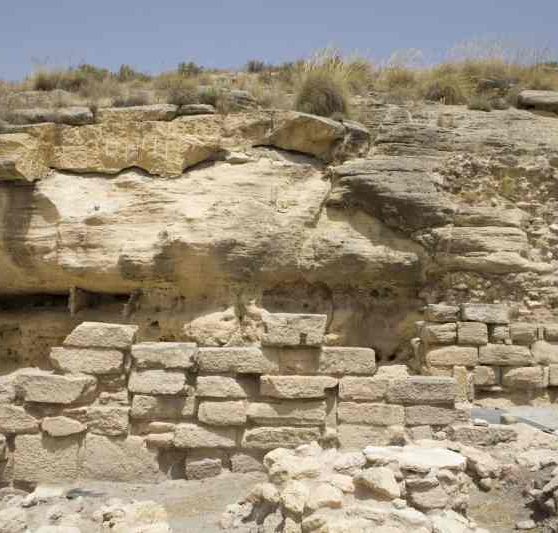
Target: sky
column 155, row 36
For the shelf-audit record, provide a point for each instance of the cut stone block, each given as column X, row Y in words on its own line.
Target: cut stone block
column 453, row 355
column 114, row 459
column 486, row 376
column 157, row 382
column 162, row 407
column 290, row 329
column 62, row 426
column 375, row 414
column 551, row 332
column 161, row 441
column 427, row 415
column 102, row 335
column 489, row 313
column 500, row 334
column 465, row 387
column 223, row 387
column 524, row 378
column 110, row 420
column 296, row 413
column 523, row 333
column 553, row 376
column 87, row 360
column 195, row 436
column 505, row 355
column 545, row 353
column 45, row 387
column 442, row 313
column 356, row 437
column 267, row 438
column 472, row 333
column 236, row 360
column 243, row 463
column 347, row 360
column 422, row 390
column 296, row 386
column 203, row 468
column 296, row 360
column 439, row 333
column 362, row 388
column 223, row 413
column 44, row 459
column 15, row 420
column 164, row 354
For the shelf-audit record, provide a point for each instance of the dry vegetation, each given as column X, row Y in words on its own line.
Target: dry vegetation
column 485, row 78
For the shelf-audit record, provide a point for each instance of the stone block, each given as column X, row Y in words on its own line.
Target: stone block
column 486, row 376
column 453, row 355
column 357, row 437
column 472, row 333
column 267, row 438
column 296, row 386
column 102, row 335
column 551, row 332
column 500, row 334
column 242, row 463
column 489, row 313
column 145, row 427
column 290, row 329
column 442, row 313
column 44, row 459
column 236, row 360
column 15, row 420
column 116, row 459
column 363, row 388
column 225, row 413
column 428, row 415
column 553, row 376
column 162, row 407
column 196, row 436
column 524, row 333
column 524, row 378
column 505, row 355
column 164, row 354
column 482, row 435
column 465, row 387
column 162, row 441
column 439, row 333
column 224, row 387
column 296, row 360
column 157, row 382
column 545, row 353
column 295, row 413
column 110, row 420
column 62, row 426
column 46, row 387
column 202, row 468
column 87, row 360
column 347, row 360
column 422, row 390
column 375, row 414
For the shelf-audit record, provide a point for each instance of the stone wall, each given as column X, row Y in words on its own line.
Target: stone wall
column 116, row 409
column 494, row 360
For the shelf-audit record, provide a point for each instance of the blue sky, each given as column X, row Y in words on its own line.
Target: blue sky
column 155, row 36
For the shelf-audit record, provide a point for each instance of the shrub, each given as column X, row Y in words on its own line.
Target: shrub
column 130, row 99
column 479, row 102
column 72, row 79
column 255, row 65
column 127, row 73
column 189, row 69
column 183, row 91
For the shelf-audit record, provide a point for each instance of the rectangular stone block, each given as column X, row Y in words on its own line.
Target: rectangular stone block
column 224, row 387
column 524, row 333
column 87, row 360
column 525, row 378
column 344, row 360
column 552, row 376
column 162, row 407
column 292, row 413
column 44, row 459
column 427, row 415
column 202, row 468
column 164, row 354
column 465, row 387
column 505, row 355
column 363, row 388
column 232, row 413
column 486, row 376
column 375, row 414
column 237, row 360
column 439, row 333
column 157, row 382
column 111, row 420
column 267, row 438
column 102, row 335
column 489, row 313
column 15, row 420
column 356, row 437
column 551, row 332
column 422, row 390
column 296, row 386
column 472, row 333
column 243, row 462
column 442, row 313
column 291, row 329
column 453, row 355
column 45, row 387
column 296, row 360
column 545, row 353
column 499, row 334
column 196, row 436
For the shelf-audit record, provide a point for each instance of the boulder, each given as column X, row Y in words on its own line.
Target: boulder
column 380, row 481
column 538, row 100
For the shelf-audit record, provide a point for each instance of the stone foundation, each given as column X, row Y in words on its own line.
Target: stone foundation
column 116, row 409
